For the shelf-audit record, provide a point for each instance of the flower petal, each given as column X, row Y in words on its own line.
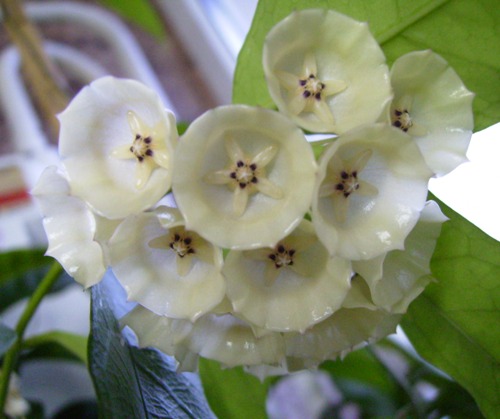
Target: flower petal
column 441, row 108
column 275, row 202
column 96, row 128
column 345, row 57
column 152, row 274
column 287, row 301
column 71, row 228
column 358, row 224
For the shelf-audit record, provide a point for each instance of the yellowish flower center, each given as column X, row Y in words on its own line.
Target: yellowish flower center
column 141, row 147
column 282, row 256
column 401, row 119
column 312, row 87
column 181, row 244
column 244, row 174
column 348, row 183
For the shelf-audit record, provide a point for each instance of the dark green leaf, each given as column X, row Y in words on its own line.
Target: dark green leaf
column 454, row 323
column 7, row 338
column 20, row 273
column 132, row 382
column 464, row 32
column 57, row 344
column 232, row 393
column 139, row 12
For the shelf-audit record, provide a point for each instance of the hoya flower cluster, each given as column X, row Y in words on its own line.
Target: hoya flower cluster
column 237, row 243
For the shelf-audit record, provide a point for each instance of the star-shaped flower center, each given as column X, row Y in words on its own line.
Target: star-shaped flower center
column 401, row 118
column 285, row 255
column 342, row 180
column 246, row 175
column 186, row 245
column 308, row 93
column 147, row 148
column 282, row 256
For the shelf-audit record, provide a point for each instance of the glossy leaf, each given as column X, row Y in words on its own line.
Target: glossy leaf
column 7, row 338
column 20, row 273
column 454, row 323
column 57, row 344
column 139, row 12
column 464, row 32
column 232, row 393
column 133, row 382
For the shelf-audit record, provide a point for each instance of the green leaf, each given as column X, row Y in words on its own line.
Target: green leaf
column 20, row 273
column 232, row 393
column 139, row 12
column 454, row 323
column 7, row 338
column 57, row 344
column 464, row 32
column 132, row 382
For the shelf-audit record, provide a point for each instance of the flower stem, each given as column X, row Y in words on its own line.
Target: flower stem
column 12, row 354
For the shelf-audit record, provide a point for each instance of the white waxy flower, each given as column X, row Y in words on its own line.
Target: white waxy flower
column 326, row 71
column 397, row 278
column 220, row 337
column 344, row 331
column 371, row 187
column 116, row 144
column 75, row 234
column 288, row 287
column 166, row 268
column 432, row 105
column 243, row 176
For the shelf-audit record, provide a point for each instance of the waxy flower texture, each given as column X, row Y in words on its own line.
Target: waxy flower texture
column 270, row 258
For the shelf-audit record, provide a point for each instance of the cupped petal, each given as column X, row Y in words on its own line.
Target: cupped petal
column 71, row 229
column 163, row 333
column 438, row 105
column 147, row 257
column 270, row 169
column 405, row 273
column 220, row 337
column 344, row 331
column 341, row 78
column 358, row 225
column 306, row 285
column 97, row 126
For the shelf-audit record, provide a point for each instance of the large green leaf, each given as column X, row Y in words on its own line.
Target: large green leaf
column 466, row 33
column 132, row 382
column 454, row 323
column 57, row 344
column 20, row 273
column 232, row 393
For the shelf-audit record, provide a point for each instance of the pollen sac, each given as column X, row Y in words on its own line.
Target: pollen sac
column 243, row 176
column 118, row 151
column 326, row 71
